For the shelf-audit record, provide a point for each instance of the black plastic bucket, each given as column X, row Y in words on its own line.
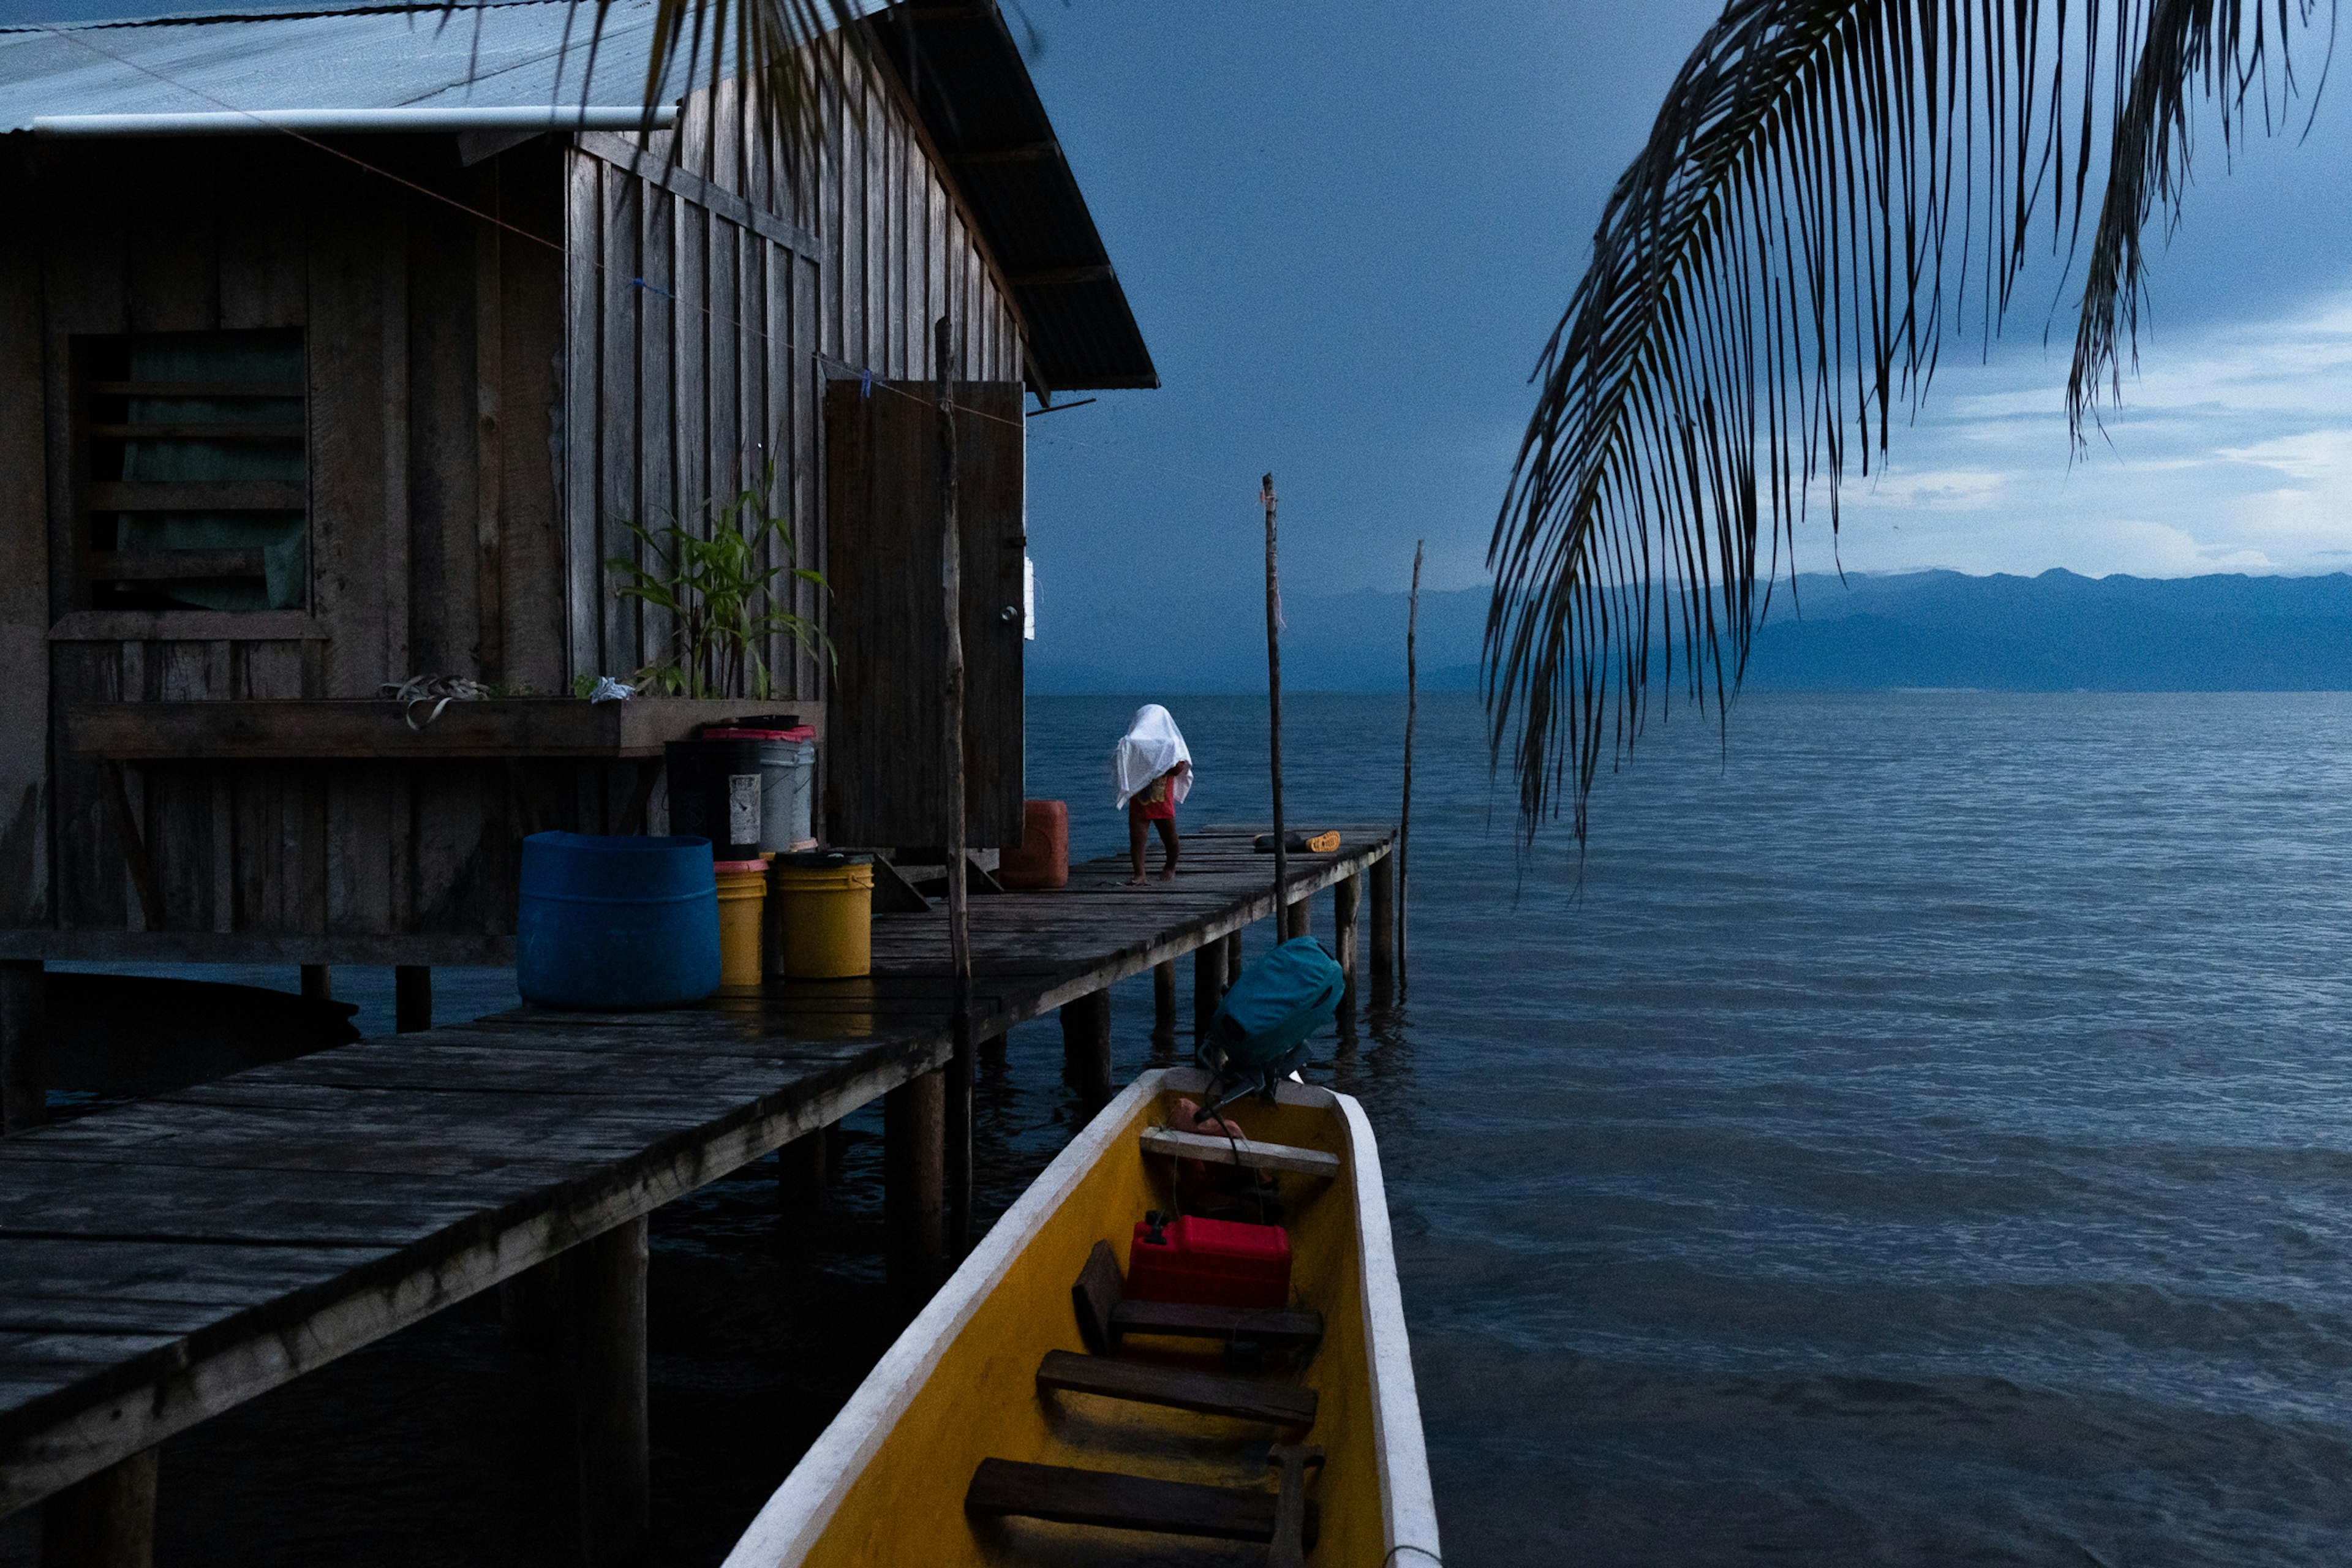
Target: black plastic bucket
column 714, row 793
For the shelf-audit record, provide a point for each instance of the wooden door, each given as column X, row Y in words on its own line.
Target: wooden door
column 888, row 774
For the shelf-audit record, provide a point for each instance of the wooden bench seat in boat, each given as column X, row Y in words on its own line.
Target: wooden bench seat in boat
column 1014, row 1488
column 1155, row 1449
column 1214, row 1151
column 1104, row 1314
column 1180, row 1388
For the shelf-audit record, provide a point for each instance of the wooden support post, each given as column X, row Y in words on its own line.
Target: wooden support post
column 1346, row 894
column 801, row 1172
column 1086, row 1045
column 1163, row 998
column 24, row 1023
column 412, row 998
column 1404, row 810
column 1298, row 919
column 1233, row 958
column 957, row 1106
column 581, row 1316
column 105, row 1522
column 1383, row 927
column 914, row 1169
column 317, row 982
column 1274, row 718
column 1208, row 984
column 609, row 1367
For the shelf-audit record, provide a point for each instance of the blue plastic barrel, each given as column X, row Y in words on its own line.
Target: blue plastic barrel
column 616, row 922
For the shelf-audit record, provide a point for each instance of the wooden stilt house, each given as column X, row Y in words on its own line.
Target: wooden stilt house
column 330, row 355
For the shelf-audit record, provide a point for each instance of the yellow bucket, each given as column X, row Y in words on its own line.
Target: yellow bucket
column 742, row 890
column 824, row 916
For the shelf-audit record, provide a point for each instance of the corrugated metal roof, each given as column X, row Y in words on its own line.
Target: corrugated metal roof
column 390, row 58
column 959, row 61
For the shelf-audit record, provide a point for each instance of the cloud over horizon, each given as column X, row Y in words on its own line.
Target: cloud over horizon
column 2229, row 451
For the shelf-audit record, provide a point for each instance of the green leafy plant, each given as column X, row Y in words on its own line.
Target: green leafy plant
column 722, row 602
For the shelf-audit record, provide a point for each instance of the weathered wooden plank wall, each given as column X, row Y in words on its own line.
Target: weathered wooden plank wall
column 434, row 339
column 714, row 288
column 24, row 587
column 586, row 333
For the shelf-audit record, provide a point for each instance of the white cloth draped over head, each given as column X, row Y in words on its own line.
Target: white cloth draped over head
column 1151, row 746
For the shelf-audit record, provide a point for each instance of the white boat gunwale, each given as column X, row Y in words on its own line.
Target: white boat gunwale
column 796, row 1516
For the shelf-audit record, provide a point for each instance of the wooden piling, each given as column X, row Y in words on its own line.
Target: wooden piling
column 608, row 1365
column 957, row 1106
column 1298, row 919
column 1233, row 958
column 105, row 1522
column 1163, row 998
column 1404, row 809
column 1274, row 707
column 802, row 1171
column 580, row 1318
column 1086, row 1045
column 1208, row 984
column 914, row 1161
column 24, row 1022
column 1347, row 893
column 412, row 998
column 317, row 982
column 1383, row 927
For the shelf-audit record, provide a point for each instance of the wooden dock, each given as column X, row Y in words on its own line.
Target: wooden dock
column 163, row 1262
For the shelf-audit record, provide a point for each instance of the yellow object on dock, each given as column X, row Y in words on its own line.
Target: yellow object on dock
column 824, row 922
column 1035, row 1414
column 742, row 893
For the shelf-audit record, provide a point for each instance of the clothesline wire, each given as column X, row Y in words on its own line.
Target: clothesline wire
column 869, row 380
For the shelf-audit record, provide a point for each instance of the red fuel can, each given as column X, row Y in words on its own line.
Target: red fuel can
column 1209, row 1263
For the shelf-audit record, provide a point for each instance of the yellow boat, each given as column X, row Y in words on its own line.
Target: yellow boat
column 1032, row 1414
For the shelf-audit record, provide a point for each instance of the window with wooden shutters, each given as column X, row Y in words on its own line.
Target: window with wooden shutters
column 194, row 447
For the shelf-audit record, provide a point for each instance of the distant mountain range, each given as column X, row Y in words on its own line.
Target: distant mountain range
column 2056, row 632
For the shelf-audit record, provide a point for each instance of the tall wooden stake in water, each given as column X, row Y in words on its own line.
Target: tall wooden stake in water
column 1274, row 717
column 1405, row 817
column 959, row 1084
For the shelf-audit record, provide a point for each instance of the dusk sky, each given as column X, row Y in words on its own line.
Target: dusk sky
column 1347, row 227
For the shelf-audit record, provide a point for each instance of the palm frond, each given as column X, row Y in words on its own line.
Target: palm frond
column 789, row 49
column 787, row 52
column 1828, row 188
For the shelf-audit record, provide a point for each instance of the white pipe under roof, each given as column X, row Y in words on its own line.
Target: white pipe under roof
column 352, row 121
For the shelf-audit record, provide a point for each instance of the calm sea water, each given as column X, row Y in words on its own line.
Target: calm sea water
column 1922, row 1134
column 1920, row 1131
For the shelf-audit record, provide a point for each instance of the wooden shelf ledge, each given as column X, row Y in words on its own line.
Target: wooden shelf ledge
column 327, row 730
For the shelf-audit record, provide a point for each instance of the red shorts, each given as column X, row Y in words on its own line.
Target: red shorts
column 1141, row 808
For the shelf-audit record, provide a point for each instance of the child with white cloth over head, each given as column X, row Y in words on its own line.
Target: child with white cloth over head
column 1152, row 769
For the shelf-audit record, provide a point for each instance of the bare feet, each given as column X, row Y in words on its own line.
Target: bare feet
column 1135, row 880
column 1169, row 875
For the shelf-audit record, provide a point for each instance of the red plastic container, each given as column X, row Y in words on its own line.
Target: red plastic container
column 1041, row 859
column 1210, row 1263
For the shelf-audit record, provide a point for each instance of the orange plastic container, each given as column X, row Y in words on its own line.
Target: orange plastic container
column 1043, row 859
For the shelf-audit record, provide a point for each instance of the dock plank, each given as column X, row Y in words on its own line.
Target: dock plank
column 163, row 1261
